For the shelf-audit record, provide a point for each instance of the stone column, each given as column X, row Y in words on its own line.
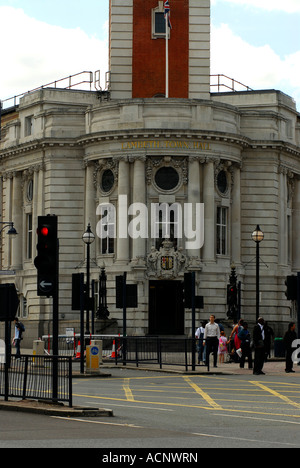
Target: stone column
column 39, row 178
column 17, row 219
column 296, row 227
column 236, row 217
column 90, row 204
column 139, row 197
column 282, row 218
column 194, row 198
column 209, row 212
column 35, row 213
column 6, row 216
column 122, row 211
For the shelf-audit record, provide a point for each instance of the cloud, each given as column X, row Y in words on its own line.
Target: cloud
column 256, row 67
column 36, row 53
column 289, row 6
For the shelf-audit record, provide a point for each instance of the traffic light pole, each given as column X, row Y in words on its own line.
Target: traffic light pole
column 193, row 321
column 124, row 318
column 298, row 303
column 81, row 287
column 7, row 357
column 55, row 330
column 47, row 265
column 257, row 282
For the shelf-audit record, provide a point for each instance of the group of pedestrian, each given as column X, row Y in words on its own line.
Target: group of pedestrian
column 240, row 345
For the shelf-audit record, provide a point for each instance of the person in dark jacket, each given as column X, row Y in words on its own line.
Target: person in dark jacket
column 245, row 338
column 19, row 328
column 288, row 340
column 259, row 347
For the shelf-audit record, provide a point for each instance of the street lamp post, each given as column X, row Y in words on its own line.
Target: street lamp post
column 257, row 237
column 88, row 238
column 103, row 310
column 12, row 230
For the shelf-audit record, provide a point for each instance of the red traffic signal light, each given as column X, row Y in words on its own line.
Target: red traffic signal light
column 46, row 261
column 43, row 231
column 231, row 294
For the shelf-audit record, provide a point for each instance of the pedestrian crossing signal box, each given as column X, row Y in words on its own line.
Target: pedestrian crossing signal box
column 131, row 294
column 9, row 302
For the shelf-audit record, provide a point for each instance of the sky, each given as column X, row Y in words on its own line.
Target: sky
column 256, row 42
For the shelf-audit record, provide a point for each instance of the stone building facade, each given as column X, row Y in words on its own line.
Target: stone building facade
column 69, row 152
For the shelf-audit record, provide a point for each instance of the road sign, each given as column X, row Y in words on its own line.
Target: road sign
column 45, row 286
column 131, row 294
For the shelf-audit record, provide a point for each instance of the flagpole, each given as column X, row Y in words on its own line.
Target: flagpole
column 167, row 56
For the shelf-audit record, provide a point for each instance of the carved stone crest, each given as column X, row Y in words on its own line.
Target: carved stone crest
column 166, row 263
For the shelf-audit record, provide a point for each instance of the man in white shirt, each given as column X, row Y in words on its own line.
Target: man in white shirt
column 211, row 339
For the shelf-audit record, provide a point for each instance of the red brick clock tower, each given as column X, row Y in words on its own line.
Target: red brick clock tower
column 138, row 49
column 149, row 51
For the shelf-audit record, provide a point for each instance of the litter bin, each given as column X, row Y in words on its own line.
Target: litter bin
column 279, row 348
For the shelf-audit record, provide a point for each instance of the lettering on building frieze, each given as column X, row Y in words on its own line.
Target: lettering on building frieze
column 166, row 144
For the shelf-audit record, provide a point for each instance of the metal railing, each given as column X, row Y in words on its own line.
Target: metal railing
column 157, row 350
column 223, row 81
column 83, row 80
column 174, row 351
column 32, row 377
column 89, row 80
column 68, row 344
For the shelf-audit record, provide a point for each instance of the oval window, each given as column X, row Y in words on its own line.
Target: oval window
column 107, row 180
column 30, row 190
column 167, row 178
column 222, row 182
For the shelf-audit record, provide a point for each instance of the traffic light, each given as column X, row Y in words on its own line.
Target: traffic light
column 131, row 294
column 232, row 299
column 291, row 288
column 231, row 294
column 46, row 261
column 9, row 302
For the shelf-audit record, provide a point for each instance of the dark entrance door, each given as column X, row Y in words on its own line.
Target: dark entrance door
column 166, row 311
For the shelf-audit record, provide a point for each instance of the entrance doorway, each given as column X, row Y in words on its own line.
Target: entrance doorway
column 166, row 310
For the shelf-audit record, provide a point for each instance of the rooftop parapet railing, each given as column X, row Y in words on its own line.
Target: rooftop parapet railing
column 85, row 80
column 88, row 80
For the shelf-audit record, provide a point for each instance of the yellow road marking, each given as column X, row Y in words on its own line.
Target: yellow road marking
column 278, row 395
column 204, row 395
column 127, row 390
column 180, row 405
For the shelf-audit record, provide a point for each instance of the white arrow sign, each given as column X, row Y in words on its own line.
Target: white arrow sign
column 45, row 285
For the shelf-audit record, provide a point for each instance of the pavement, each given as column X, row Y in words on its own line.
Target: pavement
column 53, row 409
column 275, row 366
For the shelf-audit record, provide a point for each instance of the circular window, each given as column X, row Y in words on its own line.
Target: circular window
column 222, row 182
column 107, row 180
column 167, row 178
